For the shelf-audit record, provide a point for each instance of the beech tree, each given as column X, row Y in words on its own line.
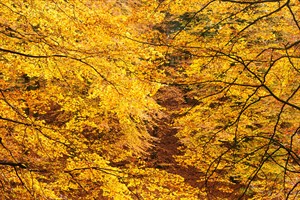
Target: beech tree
column 78, row 82
column 70, row 103
column 239, row 60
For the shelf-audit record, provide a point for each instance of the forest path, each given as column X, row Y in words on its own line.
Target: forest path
column 164, row 151
column 162, row 155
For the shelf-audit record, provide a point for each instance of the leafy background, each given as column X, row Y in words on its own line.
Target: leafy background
column 149, row 99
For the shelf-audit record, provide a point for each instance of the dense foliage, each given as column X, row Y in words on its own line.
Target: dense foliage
column 79, row 87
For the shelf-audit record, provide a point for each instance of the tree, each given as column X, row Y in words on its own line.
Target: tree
column 243, row 70
column 69, row 101
column 77, row 107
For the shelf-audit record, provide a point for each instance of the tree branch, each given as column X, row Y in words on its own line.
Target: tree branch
column 12, row 164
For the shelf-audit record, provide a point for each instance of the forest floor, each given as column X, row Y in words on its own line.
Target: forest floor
column 168, row 145
column 162, row 156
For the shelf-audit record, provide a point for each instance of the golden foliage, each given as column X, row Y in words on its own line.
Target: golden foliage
column 77, row 86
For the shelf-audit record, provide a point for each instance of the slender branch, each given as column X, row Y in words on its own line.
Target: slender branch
column 60, row 56
column 205, row 6
column 293, row 15
column 258, row 169
column 294, row 187
column 251, row 2
column 32, row 56
column 12, row 164
column 15, row 121
column 281, row 100
column 257, row 20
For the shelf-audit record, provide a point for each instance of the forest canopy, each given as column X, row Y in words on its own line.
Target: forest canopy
column 160, row 99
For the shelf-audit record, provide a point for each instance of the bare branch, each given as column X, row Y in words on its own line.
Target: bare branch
column 12, row 164
column 251, row 2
